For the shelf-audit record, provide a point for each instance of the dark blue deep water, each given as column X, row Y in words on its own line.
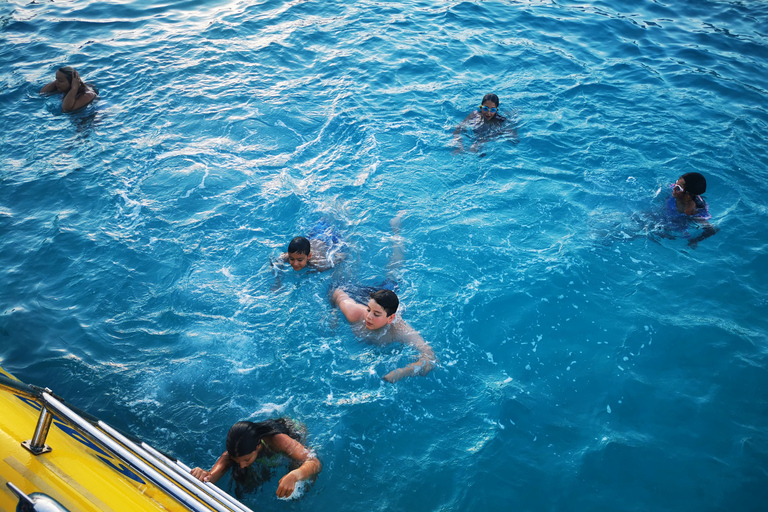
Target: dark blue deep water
column 589, row 358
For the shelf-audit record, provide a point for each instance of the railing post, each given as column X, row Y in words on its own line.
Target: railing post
column 37, row 445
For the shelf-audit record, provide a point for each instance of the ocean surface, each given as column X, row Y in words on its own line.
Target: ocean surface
column 590, row 359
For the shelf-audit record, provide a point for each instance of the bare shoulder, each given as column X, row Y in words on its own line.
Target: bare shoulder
column 318, row 247
column 83, row 100
column 281, row 442
column 285, row 444
column 88, row 97
column 402, row 332
column 402, row 328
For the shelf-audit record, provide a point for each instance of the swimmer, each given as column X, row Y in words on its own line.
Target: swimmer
column 315, row 254
column 248, row 441
column 376, row 321
column 486, row 122
column 686, row 200
column 682, row 209
column 77, row 93
column 322, row 249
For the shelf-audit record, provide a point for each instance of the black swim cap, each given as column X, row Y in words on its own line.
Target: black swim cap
column 695, row 183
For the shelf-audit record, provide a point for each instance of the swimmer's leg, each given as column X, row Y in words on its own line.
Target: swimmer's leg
column 322, row 230
column 335, row 247
column 397, row 257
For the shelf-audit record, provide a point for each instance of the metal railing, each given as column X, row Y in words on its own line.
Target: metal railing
column 171, row 476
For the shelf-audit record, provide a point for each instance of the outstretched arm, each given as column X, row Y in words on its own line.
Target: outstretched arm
column 310, row 466
column 216, row 472
column 51, row 87
column 708, row 231
column 353, row 311
column 423, row 365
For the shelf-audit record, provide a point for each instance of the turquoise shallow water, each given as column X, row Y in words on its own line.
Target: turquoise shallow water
column 587, row 361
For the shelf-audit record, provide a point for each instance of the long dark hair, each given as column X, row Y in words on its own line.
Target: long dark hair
column 244, row 437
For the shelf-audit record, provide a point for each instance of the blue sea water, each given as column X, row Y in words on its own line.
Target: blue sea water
column 588, row 360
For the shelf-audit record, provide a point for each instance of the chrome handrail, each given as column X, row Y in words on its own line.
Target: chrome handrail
column 185, row 472
column 187, row 481
column 169, row 485
column 166, row 474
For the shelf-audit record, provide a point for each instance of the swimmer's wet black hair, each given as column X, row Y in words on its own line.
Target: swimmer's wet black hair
column 67, row 72
column 244, row 437
column 387, row 299
column 695, row 183
column 299, row 245
column 491, row 97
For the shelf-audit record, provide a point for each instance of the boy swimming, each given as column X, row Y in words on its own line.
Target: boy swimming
column 320, row 250
column 376, row 320
column 684, row 209
column 302, row 253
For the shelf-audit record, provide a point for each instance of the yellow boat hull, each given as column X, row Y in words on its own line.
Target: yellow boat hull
column 79, row 472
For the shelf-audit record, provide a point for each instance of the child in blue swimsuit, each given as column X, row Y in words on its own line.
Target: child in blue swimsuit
column 322, row 249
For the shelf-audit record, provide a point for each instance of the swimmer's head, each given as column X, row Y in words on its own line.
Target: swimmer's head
column 244, row 442
column 693, row 183
column 489, row 106
column 387, row 299
column 299, row 252
column 64, row 78
column 381, row 309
